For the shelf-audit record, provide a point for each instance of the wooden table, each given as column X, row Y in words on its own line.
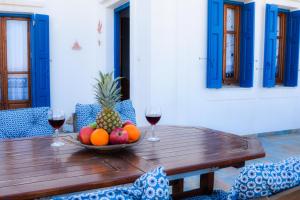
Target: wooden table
column 31, row 168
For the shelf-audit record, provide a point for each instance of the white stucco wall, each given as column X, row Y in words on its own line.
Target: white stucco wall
column 168, row 64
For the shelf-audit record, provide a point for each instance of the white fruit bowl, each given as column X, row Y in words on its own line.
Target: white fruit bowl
column 108, row 148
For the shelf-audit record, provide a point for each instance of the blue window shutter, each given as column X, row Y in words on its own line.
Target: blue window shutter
column 270, row 45
column 247, row 45
column 40, row 75
column 215, row 43
column 292, row 50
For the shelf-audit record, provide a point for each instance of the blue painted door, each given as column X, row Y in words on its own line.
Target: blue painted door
column 122, row 48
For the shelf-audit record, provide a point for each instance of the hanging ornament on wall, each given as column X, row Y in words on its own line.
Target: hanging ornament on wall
column 76, row 46
column 100, row 26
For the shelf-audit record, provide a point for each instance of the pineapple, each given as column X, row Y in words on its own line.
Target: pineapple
column 108, row 93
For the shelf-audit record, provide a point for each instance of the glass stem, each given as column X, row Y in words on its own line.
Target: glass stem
column 153, row 131
column 56, row 134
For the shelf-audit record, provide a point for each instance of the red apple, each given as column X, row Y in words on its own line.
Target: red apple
column 85, row 135
column 118, row 136
column 127, row 122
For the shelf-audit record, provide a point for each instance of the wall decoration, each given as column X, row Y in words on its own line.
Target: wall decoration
column 99, row 27
column 76, row 46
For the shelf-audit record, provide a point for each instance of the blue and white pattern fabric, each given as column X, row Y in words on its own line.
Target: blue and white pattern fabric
column 153, row 185
column 216, row 195
column 261, row 180
column 87, row 113
column 27, row 122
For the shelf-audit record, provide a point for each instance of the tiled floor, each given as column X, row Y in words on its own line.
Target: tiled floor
column 278, row 146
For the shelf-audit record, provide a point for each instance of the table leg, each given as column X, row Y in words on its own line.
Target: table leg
column 207, row 183
column 177, row 186
column 206, row 187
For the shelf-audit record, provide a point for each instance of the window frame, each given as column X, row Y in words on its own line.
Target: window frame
column 282, row 47
column 237, row 32
column 5, row 103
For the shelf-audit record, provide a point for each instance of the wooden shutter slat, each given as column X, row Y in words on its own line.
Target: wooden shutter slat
column 215, row 43
column 270, row 45
column 247, row 45
column 292, row 50
column 40, row 61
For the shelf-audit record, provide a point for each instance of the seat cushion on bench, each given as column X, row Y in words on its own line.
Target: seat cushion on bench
column 87, row 113
column 27, row 122
column 151, row 186
column 217, row 195
column 260, row 180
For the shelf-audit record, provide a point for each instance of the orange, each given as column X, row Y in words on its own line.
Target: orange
column 100, row 137
column 134, row 133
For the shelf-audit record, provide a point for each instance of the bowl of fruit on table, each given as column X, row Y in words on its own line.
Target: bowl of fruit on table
column 94, row 138
column 108, row 133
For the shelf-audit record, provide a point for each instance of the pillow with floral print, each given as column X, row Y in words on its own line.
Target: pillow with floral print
column 260, row 180
column 153, row 185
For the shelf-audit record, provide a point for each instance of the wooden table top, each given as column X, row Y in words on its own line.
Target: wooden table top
column 31, row 168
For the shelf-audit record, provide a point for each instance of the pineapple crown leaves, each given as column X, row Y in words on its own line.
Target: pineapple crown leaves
column 107, row 90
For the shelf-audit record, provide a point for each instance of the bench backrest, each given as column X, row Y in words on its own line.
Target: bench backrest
column 86, row 114
column 28, row 122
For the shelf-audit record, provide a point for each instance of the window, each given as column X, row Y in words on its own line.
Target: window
column 24, row 61
column 231, row 41
column 230, row 48
column 15, row 65
column 281, row 56
column 280, row 50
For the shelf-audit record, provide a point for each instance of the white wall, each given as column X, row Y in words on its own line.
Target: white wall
column 72, row 72
column 179, row 38
column 168, row 64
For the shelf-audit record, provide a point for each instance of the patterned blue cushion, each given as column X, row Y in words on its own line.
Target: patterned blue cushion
column 151, row 186
column 87, row 113
column 27, row 122
column 261, row 180
column 217, row 195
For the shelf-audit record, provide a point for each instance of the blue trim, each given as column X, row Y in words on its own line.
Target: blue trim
column 233, row 2
column 280, row 10
column 16, row 15
column 122, row 7
column 117, row 11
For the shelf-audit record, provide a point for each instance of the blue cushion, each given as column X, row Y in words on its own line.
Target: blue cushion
column 151, row 186
column 87, row 113
column 27, row 122
column 261, row 180
column 217, row 195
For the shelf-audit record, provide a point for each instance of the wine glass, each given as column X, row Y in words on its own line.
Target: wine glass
column 153, row 115
column 56, row 119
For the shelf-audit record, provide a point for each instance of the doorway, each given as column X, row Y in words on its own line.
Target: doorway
column 122, row 48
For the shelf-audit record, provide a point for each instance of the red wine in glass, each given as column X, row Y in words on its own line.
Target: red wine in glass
column 56, row 119
column 153, row 115
column 56, row 123
column 153, row 119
